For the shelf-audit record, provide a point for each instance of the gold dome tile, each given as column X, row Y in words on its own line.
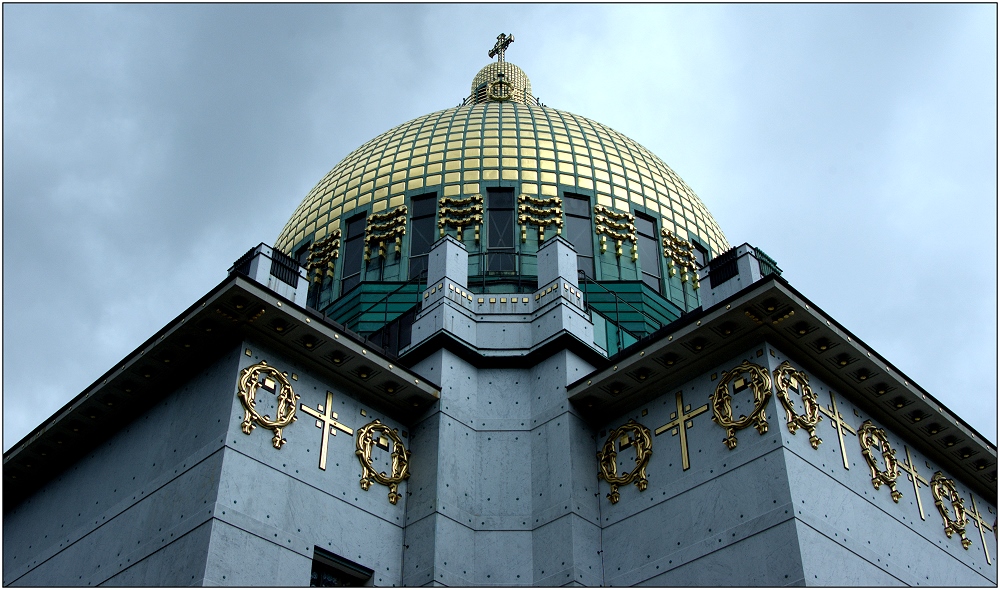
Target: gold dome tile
column 466, row 142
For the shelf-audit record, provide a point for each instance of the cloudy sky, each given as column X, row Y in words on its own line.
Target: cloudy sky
column 146, row 147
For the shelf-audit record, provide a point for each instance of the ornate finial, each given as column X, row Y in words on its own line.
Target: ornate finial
column 503, row 41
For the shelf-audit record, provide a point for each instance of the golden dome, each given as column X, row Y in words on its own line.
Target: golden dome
column 515, row 143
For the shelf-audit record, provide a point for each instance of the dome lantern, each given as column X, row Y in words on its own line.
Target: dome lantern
column 501, row 80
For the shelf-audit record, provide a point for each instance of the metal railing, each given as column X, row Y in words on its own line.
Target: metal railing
column 767, row 264
column 242, row 264
column 353, row 322
column 284, row 268
column 397, row 334
column 503, row 267
column 622, row 334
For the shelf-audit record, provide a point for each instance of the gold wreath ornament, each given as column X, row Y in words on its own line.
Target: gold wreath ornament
column 631, row 434
column 784, row 376
column 377, row 434
column 870, row 435
column 722, row 411
column 943, row 489
column 250, row 382
column 500, row 90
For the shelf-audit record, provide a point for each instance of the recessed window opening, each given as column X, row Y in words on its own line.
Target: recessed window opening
column 649, row 251
column 329, row 570
column 302, row 254
column 354, row 251
column 500, row 230
column 422, row 231
column 580, row 231
column 700, row 254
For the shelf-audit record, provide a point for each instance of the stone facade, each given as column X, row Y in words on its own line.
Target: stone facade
column 506, row 407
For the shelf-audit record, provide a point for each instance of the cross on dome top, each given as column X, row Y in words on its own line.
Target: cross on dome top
column 503, row 42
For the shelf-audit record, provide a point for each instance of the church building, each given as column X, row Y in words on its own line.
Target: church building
column 502, row 345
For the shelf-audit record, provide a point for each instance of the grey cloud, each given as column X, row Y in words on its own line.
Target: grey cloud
column 147, row 146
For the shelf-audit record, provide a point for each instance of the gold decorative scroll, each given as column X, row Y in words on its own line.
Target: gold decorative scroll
column 461, row 203
column 539, row 212
column 631, row 434
column 322, row 256
column 382, row 227
column 367, row 437
column 722, row 411
column 250, row 382
column 460, row 214
column 870, row 435
column 679, row 253
column 618, row 226
column 943, row 489
column 785, row 377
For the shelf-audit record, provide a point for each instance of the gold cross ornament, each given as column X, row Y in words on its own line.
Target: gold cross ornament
column 326, row 420
column 680, row 422
column 838, row 423
column 977, row 519
column 911, row 473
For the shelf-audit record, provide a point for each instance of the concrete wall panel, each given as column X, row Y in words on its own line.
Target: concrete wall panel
column 823, row 561
column 838, row 503
column 125, row 491
column 236, row 558
column 768, row 558
column 283, row 497
column 503, row 558
column 181, row 563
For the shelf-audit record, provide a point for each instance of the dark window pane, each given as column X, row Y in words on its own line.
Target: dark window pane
column 576, row 205
column 500, row 199
column 353, row 255
column 329, row 579
column 653, row 282
column 356, row 227
column 649, row 256
column 302, row 254
column 649, row 251
column 354, row 251
column 700, row 254
column 501, row 228
column 422, row 206
column 500, row 261
column 645, row 226
column 580, row 233
column 422, row 234
column 349, row 283
column 500, row 218
column 418, row 264
column 329, row 570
